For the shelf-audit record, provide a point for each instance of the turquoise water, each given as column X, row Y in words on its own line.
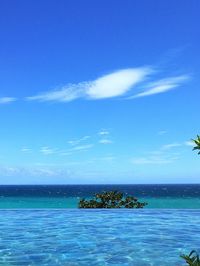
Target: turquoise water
column 97, row 237
column 72, row 202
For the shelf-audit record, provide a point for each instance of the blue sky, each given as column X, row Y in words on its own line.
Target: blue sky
column 99, row 91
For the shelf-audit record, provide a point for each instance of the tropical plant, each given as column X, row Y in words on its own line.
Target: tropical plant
column 197, row 142
column 111, row 199
column 192, row 259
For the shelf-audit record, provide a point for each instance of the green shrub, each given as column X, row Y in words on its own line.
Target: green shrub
column 111, row 199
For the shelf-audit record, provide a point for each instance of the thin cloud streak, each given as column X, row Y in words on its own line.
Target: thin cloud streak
column 170, row 146
column 189, row 143
column 162, row 86
column 67, row 93
column 150, row 160
column 162, row 132
column 164, row 155
column 82, row 147
column 156, row 157
column 25, row 149
column 103, row 132
column 6, row 100
column 105, row 141
column 77, row 141
column 47, row 151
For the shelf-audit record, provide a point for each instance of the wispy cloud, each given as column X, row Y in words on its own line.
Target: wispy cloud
column 82, row 147
column 47, row 151
column 115, row 84
column 162, row 86
column 25, row 149
column 39, row 171
column 170, row 146
column 66, row 93
column 111, row 85
column 75, row 142
column 6, row 100
column 156, row 157
column 108, row 158
column 167, row 153
column 105, row 141
column 74, row 149
column 151, row 160
column 163, row 155
column 189, row 143
column 162, row 132
column 104, row 136
column 103, row 132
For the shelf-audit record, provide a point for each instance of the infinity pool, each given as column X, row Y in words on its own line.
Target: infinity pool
column 97, row 237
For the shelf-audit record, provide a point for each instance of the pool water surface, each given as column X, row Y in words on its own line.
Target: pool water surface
column 76, row 237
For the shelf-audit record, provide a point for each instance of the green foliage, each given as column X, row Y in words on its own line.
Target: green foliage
column 197, row 143
column 111, row 199
column 192, row 259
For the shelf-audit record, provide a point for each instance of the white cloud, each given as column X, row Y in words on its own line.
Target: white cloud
column 103, row 132
column 42, row 171
column 156, row 90
column 82, row 147
column 170, row 146
column 47, row 151
column 162, row 86
column 156, row 158
column 111, row 85
column 108, row 158
column 163, row 155
column 150, row 160
column 5, row 100
column 105, row 141
column 25, row 149
column 67, row 93
column 117, row 83
column 65, row 153
column 189, row 143
column 162, row 132
column 77, row 141
column 77, row 148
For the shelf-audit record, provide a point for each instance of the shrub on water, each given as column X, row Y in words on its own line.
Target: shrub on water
column 111, row 199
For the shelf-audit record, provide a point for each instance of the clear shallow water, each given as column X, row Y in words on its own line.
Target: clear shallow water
column 67, row 196
column 97, row 237
column 72, row 202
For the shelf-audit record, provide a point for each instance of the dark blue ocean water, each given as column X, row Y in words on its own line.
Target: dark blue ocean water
column 67, row 196
column 186, row 190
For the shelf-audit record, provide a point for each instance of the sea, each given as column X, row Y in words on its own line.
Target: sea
column 167, row 196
